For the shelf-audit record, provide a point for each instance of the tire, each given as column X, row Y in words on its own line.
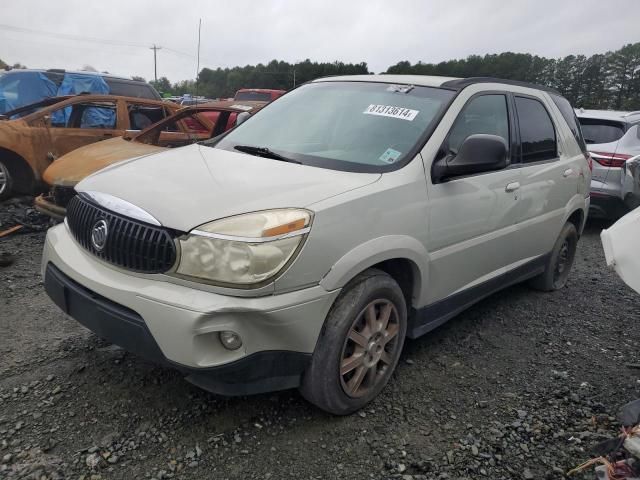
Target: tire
column 560, row 262
column 356, row 338
column 6, row 181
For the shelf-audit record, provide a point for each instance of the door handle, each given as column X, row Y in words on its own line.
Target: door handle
column 567, row 172
column 512, row 187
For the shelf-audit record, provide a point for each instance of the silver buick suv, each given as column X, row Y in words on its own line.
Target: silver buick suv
column 301, row 248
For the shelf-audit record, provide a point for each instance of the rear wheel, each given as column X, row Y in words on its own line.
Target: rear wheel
column 359, row 346
column 560, row 262
column 6, row 181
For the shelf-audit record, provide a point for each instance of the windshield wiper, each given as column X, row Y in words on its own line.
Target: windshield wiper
column 264, row 152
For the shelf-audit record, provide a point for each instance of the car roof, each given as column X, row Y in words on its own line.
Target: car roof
column 62, row 71
column 621, row 116
column 421, row 80
column 241, row 105
column 451, row 83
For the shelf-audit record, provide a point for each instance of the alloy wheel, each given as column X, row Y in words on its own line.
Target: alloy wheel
column 370, row 348
column 4, row 178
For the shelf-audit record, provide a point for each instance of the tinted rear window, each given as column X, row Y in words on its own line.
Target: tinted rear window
column 601, row 131
column 570, row 117
column 126, row 89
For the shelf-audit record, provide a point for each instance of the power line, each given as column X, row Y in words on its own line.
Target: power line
column 64, row 36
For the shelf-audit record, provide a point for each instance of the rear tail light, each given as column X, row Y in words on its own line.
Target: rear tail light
column 606, row 159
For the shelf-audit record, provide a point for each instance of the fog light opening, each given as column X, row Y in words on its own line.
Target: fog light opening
column 230, row 340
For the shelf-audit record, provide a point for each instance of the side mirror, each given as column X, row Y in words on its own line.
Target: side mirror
column 478, row 153
column 242, row 117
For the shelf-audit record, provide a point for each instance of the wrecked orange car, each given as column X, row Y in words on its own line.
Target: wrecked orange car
column 32, row 137
column 189, row 125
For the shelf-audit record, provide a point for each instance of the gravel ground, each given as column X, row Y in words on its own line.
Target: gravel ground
column 518, row 387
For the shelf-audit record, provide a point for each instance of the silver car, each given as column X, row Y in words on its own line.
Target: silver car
column 612, row 138
column 301, row 248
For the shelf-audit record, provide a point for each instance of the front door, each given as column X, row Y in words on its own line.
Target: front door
column 472, row 218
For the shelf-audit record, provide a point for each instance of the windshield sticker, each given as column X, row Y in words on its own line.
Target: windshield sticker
column 400, row 88
column 390, row 155
column 391, row 111
column 245, row 108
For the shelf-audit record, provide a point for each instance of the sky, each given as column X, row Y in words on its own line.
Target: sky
column 115, row 35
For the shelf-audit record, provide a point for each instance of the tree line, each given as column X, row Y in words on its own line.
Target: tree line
column 608, row 80
column 602, row 81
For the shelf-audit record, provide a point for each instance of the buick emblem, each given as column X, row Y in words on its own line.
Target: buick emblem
column 99, row 235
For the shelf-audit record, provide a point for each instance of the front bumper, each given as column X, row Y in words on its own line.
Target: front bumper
column 177, row 325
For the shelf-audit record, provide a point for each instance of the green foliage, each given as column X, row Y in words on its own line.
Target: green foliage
column 2, row 65
column 610, row 80
column 223, row 83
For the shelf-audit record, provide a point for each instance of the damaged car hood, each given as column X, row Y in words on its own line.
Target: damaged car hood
column 186, row 187
column 76, row 165
column 620, row 243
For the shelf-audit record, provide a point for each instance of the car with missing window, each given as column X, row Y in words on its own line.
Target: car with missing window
column 612, row 138
column 32, row 137
column 187, row 126
column 301, row 248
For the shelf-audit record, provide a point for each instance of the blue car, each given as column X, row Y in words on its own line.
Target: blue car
column 24, row 87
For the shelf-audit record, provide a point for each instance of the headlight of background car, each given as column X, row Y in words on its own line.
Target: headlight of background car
column 245, row 249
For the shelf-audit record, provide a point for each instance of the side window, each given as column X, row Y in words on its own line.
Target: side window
column 86, row 115
column 486, row 114
column 142, row 116
column 537, row 135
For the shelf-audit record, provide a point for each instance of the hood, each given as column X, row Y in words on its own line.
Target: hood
column 82, row 162
column 186, row 187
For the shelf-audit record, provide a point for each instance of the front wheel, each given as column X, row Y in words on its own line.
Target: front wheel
column 560, row 262
column 359, row 346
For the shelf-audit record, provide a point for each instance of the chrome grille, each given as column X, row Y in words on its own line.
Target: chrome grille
column 129, row 244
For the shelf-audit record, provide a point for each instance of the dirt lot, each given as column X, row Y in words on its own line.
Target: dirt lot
column 519, row 386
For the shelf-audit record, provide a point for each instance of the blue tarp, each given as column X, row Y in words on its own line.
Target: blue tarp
column 94, row 117
column 19, row 88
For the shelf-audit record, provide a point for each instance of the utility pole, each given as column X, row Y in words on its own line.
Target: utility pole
column 155, row 60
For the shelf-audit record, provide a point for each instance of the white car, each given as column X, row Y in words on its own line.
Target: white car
column 301, row 248
column 620, row 243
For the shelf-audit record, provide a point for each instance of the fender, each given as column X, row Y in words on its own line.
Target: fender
column 577, row 203
column 378, row 250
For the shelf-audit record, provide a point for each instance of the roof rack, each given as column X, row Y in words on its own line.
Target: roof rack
column 465, row 82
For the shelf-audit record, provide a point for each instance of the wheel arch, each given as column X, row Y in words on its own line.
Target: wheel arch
column 404, row 258
column 20, row 170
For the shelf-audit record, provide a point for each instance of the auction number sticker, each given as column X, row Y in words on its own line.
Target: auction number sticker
column 391, row 111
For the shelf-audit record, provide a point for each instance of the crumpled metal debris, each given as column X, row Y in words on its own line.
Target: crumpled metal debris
column 618, row 458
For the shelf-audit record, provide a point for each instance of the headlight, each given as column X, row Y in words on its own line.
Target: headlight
column 243, row 250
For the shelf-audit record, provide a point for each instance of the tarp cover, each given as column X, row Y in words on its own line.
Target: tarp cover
column 18, row 89
column 76, row 83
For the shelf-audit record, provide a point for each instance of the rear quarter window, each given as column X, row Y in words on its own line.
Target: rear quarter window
column 569, row 116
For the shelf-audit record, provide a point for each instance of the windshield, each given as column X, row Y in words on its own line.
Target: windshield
column 355, row 126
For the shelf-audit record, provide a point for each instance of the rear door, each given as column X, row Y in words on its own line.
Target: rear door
column 551, row 165
column 81, row 123
column 472, row 218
